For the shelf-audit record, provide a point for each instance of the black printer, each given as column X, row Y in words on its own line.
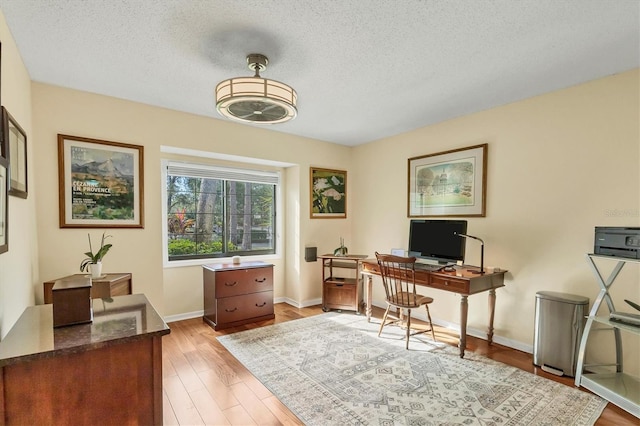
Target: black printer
column 617, row 241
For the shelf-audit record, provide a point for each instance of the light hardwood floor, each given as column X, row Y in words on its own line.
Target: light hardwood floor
column 204, row 384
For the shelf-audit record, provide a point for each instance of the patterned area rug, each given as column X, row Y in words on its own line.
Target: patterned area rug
column 331, row 369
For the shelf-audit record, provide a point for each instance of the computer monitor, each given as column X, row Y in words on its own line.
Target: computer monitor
column 437, row 240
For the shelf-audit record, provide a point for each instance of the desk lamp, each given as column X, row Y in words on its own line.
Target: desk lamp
column 481, row 271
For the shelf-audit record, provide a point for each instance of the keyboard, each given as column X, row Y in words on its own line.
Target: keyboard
column 428, row 267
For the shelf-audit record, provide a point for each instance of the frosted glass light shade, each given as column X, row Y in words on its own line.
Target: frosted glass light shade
column 256, row 100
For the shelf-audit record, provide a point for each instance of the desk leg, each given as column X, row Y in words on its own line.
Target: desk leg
column 464, row 308
column 368, row 297
column 492, row 310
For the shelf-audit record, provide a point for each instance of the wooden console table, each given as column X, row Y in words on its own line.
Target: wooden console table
column 108, row 286
column 339, row 292
column 462, row 281
column 106, row 371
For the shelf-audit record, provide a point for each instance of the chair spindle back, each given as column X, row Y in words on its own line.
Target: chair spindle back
column 398, row 276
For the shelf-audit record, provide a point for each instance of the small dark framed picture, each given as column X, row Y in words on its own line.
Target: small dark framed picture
column 15, row 140
column 4, row 210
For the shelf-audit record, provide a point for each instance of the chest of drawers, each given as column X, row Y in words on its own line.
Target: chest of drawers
column 236, row 294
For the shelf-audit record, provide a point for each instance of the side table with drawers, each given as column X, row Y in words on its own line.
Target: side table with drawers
column 108, row 285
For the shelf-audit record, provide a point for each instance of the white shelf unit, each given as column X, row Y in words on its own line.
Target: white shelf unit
column 617, row 387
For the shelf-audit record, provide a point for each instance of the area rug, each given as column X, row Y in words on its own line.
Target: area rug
column 331, row 369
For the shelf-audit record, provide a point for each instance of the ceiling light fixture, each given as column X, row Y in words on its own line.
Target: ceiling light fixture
column 256, row 99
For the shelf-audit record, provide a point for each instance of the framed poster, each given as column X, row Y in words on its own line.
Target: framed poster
column 16, row 140
column 449, row 183
column 100, row 183
column 328, row 193
column 4, row 209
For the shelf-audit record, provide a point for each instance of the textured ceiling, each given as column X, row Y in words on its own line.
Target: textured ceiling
column 363, row 69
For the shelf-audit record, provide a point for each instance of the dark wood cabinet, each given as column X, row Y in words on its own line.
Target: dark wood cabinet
column 341, row 290
column 109, row 285
column 108, row 371
column 236, row 294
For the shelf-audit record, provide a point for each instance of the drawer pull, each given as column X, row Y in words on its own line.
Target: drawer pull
column 231, row 310
column 261, row 280
column 260, row 306
column 231, row 284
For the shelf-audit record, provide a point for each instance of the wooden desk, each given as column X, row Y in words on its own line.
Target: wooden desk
column 108, row 286
column 108, row 371
column 462, row 281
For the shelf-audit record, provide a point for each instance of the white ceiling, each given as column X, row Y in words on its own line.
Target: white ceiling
column 363, row 69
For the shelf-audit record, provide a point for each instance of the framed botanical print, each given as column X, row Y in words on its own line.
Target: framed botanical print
column 328, row 193
column 449, row 183
column 100, row 183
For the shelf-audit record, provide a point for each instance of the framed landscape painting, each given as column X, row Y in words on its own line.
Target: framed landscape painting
column 449, row 183
column 100, row 183
column 328, row 193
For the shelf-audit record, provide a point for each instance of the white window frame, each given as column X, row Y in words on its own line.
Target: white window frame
column 250, row 168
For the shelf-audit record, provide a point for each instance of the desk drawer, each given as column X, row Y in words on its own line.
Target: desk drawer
column 447, row 283
column 243, row 281
column 370, row 267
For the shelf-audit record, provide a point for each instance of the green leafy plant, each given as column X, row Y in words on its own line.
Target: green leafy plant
column 181, row 247
column 97, row 256
column 186, row 247
column 179, row 223
column 342, row 250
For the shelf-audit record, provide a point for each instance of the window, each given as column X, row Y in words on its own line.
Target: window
column 219, row 212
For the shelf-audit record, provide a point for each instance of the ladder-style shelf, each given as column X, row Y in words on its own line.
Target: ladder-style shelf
column 617, row 387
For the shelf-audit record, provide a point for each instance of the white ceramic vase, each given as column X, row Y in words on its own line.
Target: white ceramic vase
column 95, row 269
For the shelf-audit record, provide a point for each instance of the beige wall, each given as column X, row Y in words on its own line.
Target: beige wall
column 558, row 165
column 18, row 266
column 174, row 291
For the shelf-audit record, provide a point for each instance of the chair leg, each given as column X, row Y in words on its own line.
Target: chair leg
column 384, row 319
column 408, row 327
column 433, row 335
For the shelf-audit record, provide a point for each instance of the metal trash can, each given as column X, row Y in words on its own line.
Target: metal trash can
column 559, row 323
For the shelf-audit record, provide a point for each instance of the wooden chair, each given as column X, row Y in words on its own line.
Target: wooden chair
column 398, row 276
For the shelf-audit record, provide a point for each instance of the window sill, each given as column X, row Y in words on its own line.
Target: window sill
column 199, row 262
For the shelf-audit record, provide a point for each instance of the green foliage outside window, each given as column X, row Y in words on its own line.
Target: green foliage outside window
column 217, row 218
column 187, row 247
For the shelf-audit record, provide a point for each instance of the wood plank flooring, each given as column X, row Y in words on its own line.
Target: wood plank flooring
column 203, row 384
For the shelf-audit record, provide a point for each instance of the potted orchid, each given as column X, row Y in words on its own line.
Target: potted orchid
column 93, row 262
column 342, row 250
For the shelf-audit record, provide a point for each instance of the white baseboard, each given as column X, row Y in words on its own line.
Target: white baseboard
column 480, row 334
column 295, row 304
column 197, row 314
column 185, row 316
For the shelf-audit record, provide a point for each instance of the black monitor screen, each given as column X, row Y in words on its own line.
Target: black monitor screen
column 437, row 240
